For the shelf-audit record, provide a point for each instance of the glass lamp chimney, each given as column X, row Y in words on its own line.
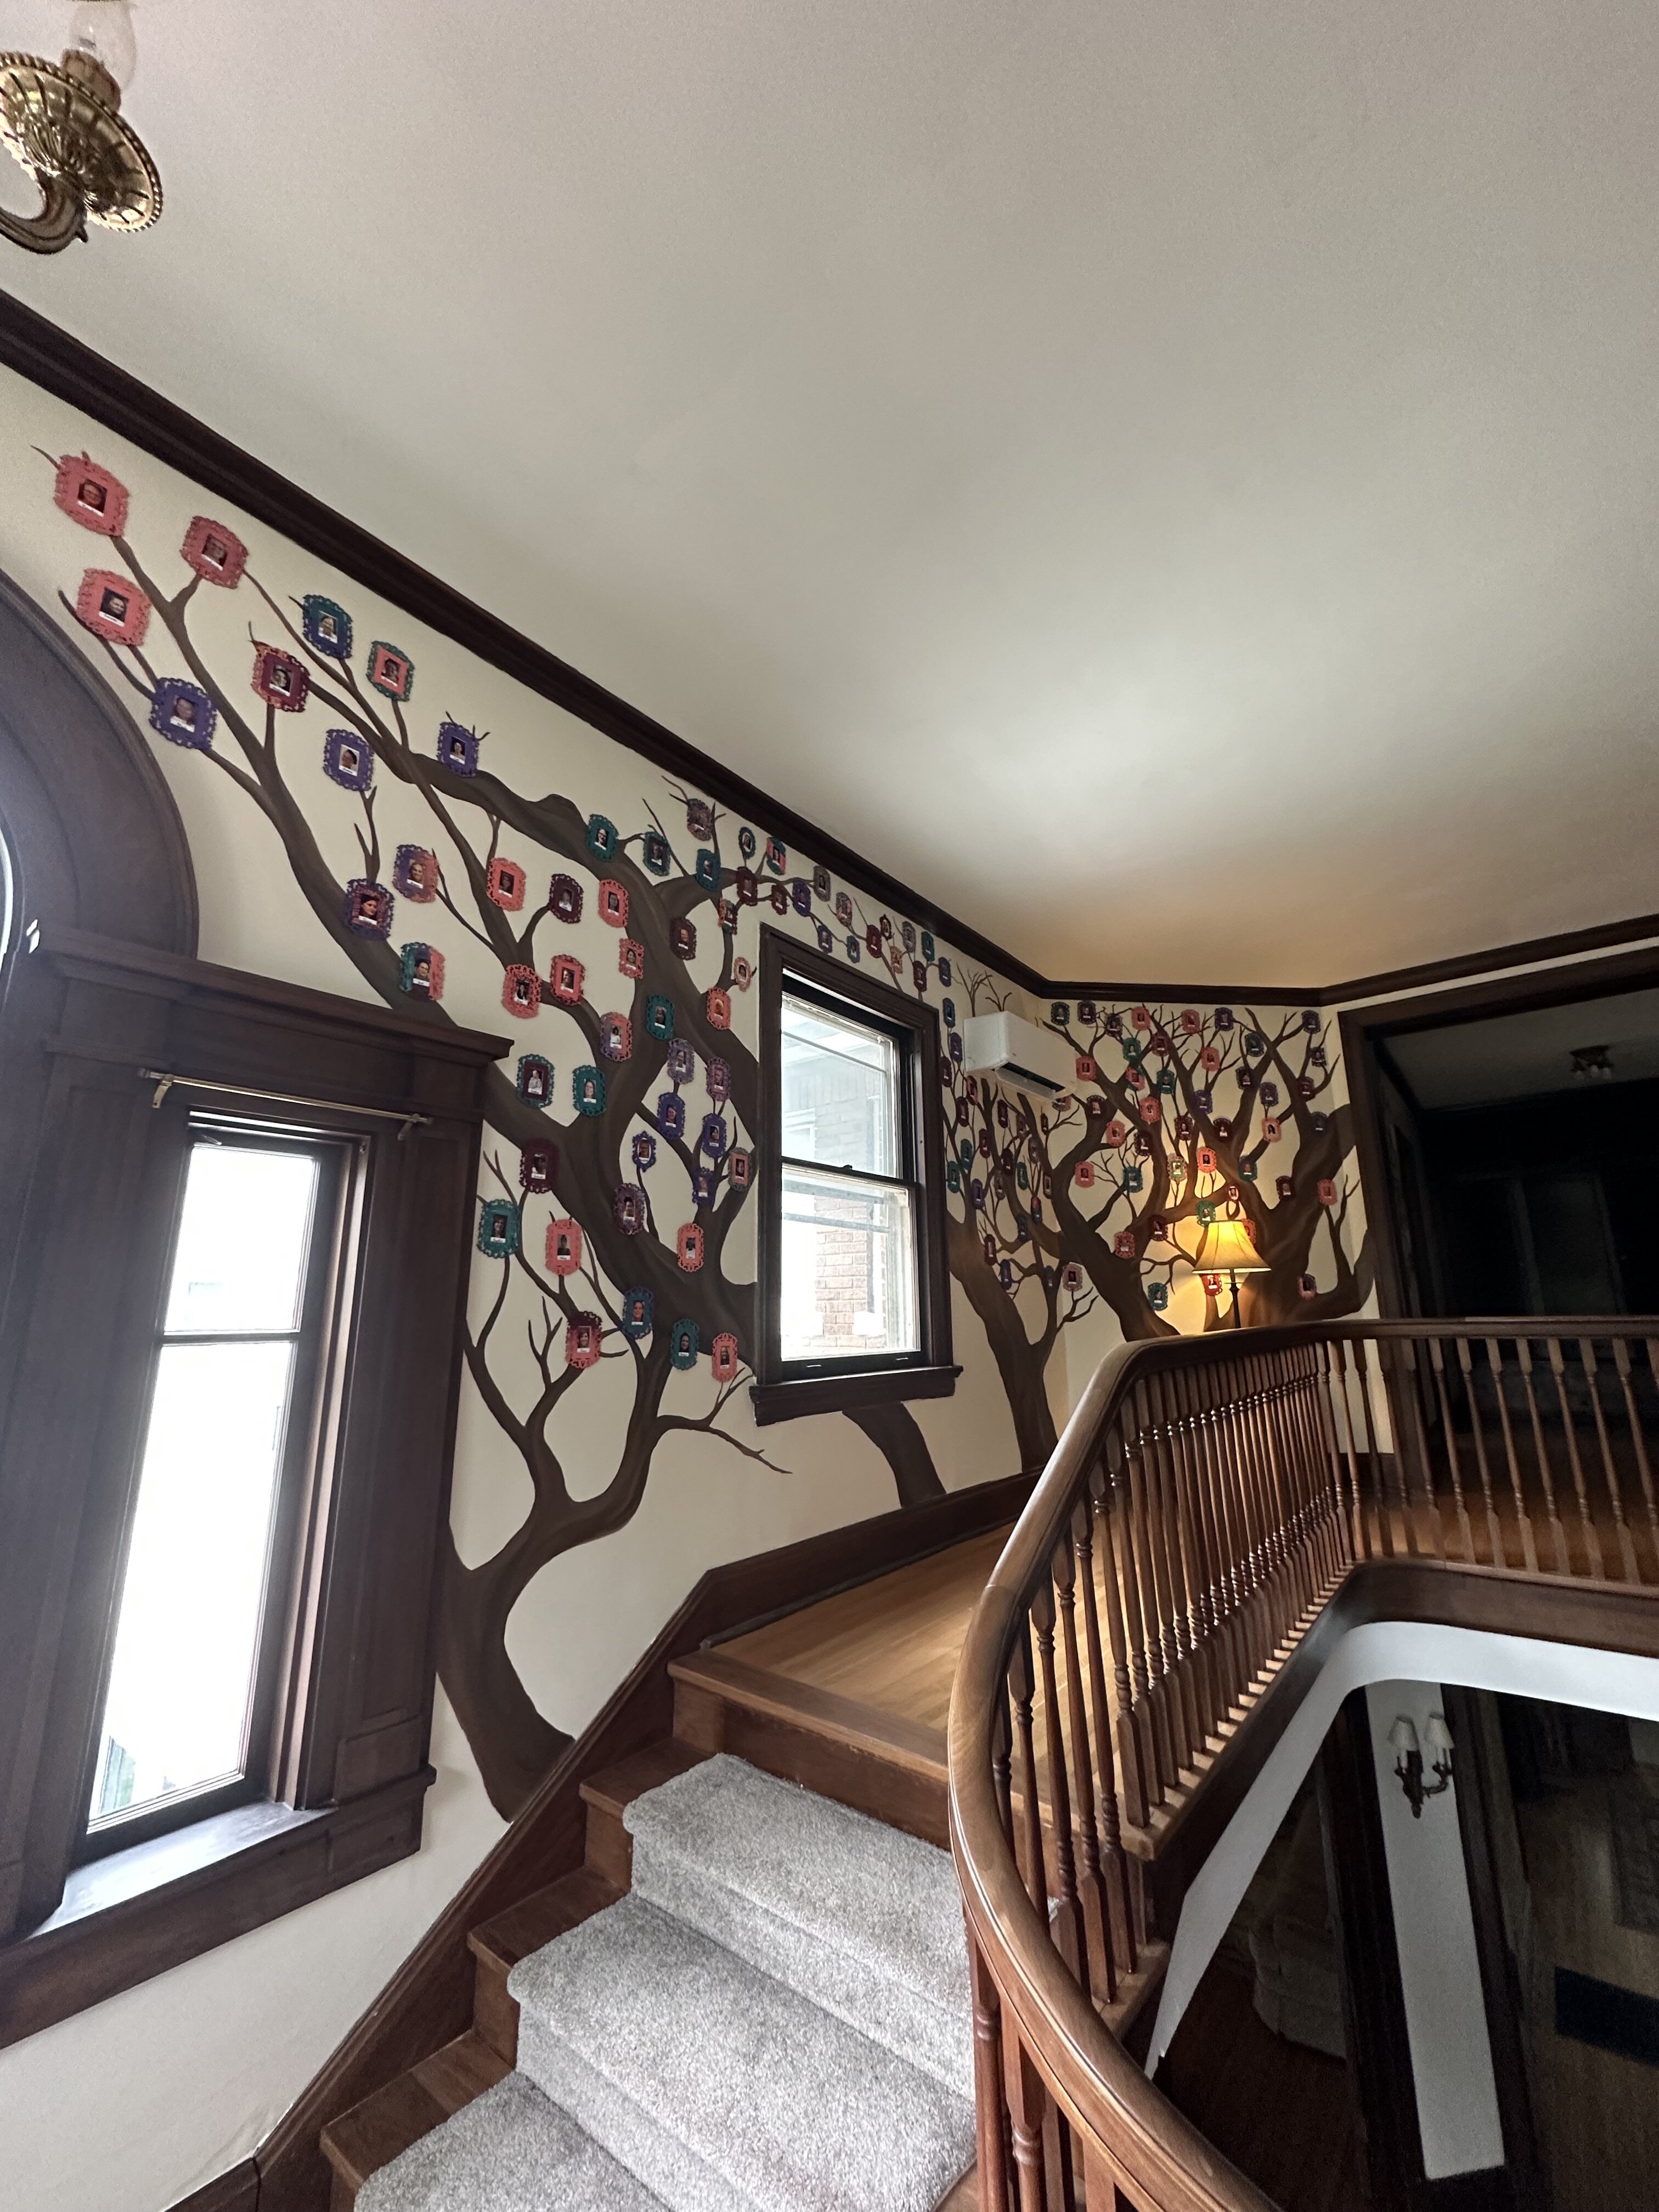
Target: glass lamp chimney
column 103, row 30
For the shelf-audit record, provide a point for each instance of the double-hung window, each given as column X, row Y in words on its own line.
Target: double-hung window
column 225, row 1444
column 190, row 1722
column 855, row 1290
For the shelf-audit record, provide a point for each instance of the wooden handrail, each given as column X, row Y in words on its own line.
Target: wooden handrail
column 1209, row 1497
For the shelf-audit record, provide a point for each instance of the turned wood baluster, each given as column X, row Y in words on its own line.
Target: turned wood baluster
column 1165, row 1765
column 1384, row 1512
column 1281, row 1428
column 1593, row 1377
column 1528, row 1545
column 1320, row 1483
column 1060, row 2177
column 1281, row 1580
column 1494, row 1532
column 1282, row 1470
column 1097, row 1973
column 990, row 2110
column 1438, row 1365
column 1118, row 1923
column 1323, row 1524
column 1198, row 1540
column 1021, row 1687
column 1234, row 1545
column 1224, row 1637
column 1134, row 1615
column 1339, row 1351
column 1321, row 1472
column 1643, row 1467
column 1389, row 1369
column 1281, row 1409
column 1350, row 1509
column 1349, row 1513
column 1234, row 1461
column 1310, row 1411
column 1129, row 1760
column 1177, row 1687
column 1271, row 1473
column 1189, row 1533
column 1177, row 1614
column 1028, row 2108
column 1581, row 1489
column 1001, row 1745
column 1413, row 1394
column 1546, row 1472
column 1066, row 1921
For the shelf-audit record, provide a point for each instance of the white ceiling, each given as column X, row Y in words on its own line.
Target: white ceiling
column 1525, row 1055
column 1177, row 484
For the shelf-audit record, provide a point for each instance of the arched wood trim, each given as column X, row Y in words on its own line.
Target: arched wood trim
column 95, row 845
column 95, row 839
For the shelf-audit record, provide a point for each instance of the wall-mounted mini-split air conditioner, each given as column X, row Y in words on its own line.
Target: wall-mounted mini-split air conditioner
column 1018, row 1053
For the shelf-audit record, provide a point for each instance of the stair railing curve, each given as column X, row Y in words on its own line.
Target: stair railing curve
column 1207, row 1499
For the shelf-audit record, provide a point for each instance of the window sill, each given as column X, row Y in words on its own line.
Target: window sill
column 849, row 1394
column 139, row 1911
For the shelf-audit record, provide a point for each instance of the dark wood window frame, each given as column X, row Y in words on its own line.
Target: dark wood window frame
column 320, row 1335
column 344, row 1792
column 780, row 1393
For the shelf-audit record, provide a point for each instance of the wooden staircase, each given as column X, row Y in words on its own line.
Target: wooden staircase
column 889, row 1767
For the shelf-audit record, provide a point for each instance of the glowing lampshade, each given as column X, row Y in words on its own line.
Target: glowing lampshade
column 1228, row 1251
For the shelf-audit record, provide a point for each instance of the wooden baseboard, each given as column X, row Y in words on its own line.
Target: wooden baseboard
column 429, row 2001
column 236, row 2192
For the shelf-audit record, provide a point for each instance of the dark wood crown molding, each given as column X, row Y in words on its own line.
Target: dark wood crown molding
column 50, row 357
column 1566, row 944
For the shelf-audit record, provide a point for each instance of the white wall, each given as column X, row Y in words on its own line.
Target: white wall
column 1439, row 1967
column 1380, row 1651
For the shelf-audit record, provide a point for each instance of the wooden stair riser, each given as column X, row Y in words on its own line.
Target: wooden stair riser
column 862, row 1779
column 495, row 2014
column 610, row 1846
column 892, row 1770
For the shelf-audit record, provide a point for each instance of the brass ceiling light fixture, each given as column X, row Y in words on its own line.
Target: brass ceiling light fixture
column 62, row 121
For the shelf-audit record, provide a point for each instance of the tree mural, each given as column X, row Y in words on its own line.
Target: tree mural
column 619, row 1143
column 1101, row 1198
column 609, row 1229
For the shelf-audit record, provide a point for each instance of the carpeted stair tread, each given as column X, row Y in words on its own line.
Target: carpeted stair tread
column 860, row 1917
column 509, row 2150
column 721, row 2087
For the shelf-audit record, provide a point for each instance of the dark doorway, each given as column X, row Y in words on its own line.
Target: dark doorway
column 1510, row 1136
column 1260, row 2061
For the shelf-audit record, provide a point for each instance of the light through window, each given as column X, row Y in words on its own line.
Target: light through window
column 847, row 1287
column 182, row 1681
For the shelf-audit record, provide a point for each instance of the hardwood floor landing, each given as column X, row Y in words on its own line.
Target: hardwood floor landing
column 891, row 1644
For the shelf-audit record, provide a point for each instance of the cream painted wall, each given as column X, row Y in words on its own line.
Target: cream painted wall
column 132, row 2105
column 1434, row 1934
